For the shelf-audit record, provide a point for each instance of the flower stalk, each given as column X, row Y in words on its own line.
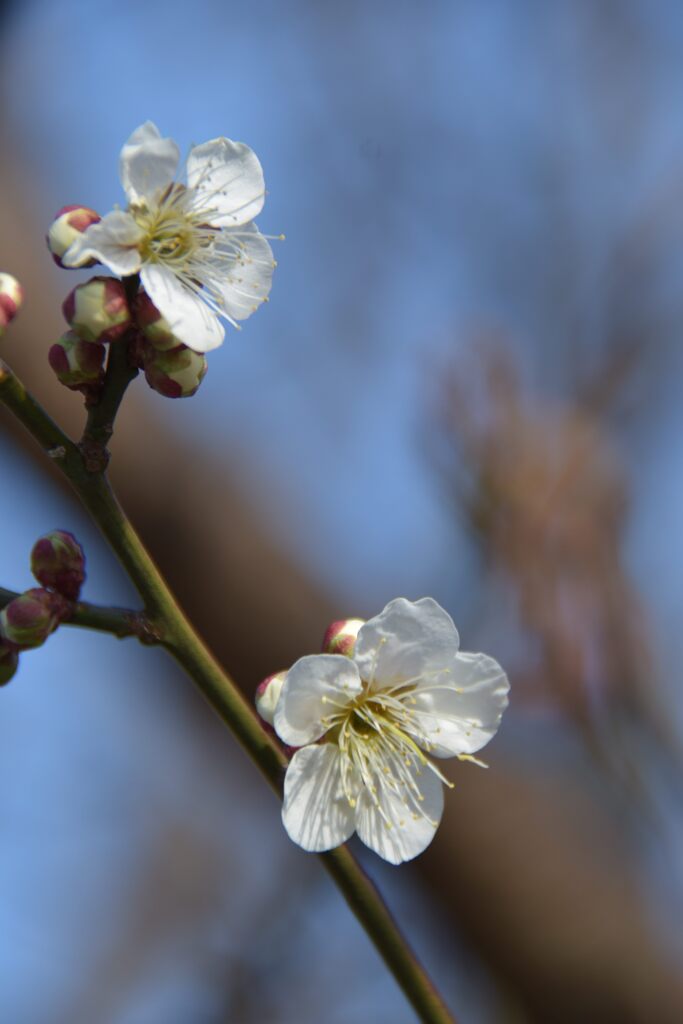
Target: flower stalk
column 102, row 413
column 166, row 624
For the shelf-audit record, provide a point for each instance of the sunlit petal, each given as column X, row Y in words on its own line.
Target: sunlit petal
column 228, row 181
column 316, row 689
column 148, row 163
column 316, row 812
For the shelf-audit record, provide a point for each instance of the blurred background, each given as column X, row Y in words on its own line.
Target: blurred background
column 466, row 384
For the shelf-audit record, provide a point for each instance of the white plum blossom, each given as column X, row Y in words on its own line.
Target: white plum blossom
column 199, row 255
column 366, row 723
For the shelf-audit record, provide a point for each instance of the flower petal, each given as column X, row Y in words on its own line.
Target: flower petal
column 406, row 641
column 228, row 180
column 248, row 260
column 316, row 813
column 112, row 241
column 188, row 317
column 147, row 163
column 462, row 711
column 314, row 688
column 400, row 828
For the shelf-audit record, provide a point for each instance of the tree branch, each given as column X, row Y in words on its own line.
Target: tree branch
column 174, row 631
column 120, row 622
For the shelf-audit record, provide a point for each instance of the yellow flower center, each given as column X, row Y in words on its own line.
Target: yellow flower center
column 170, row 236
column 382, row 744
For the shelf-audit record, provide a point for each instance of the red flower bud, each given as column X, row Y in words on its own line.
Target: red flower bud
column 77, row 363
column 58, row 562
column 340, row 637
column 11, row 297
column 267, row 696
column 176, row 373
column 97, row 310
column 152, row 324
column 70, row 222
column 28, row 620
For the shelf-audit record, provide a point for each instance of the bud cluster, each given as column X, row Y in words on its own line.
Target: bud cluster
column 340, row 638
column 98, row 313
column 58, row 564
column 171, row 368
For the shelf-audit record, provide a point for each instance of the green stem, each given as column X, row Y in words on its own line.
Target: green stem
column 120, row 622
column 371, row 910
column 101, row 415
column 177, row 635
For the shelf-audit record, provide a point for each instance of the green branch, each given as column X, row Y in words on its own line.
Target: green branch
column 100, row 424
column 174, row 631
column 120, row 622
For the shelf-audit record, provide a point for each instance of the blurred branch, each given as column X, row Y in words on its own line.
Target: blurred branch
column 539, row 483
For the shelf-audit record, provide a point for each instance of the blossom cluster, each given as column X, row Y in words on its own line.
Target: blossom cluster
column 189, row 255
column 366, row 720
column 99, row 312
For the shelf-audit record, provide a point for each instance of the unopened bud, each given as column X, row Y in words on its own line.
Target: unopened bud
column 9, row 663
column 340, row 637
column 176, row 373
column 155, row 328
column 77, row 363
column 267, row 696
column 58, row 562
column 11, row 297
column 28, row 620
column 70, row 222
column 97, row 310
